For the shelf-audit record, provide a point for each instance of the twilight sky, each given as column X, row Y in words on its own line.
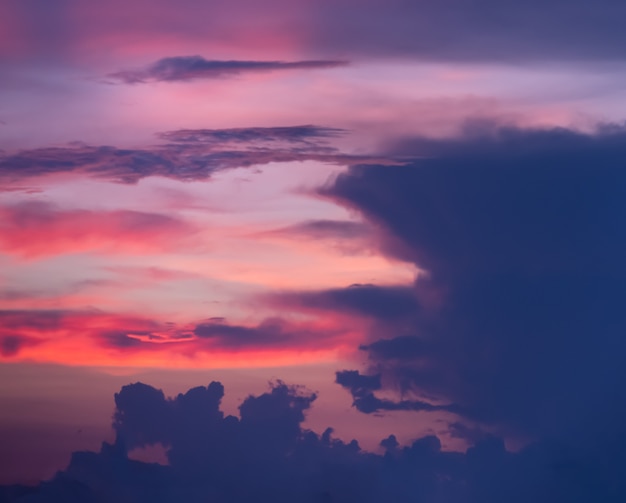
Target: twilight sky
column 398, row 219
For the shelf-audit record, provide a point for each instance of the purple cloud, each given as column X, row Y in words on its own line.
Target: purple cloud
column 185, row 68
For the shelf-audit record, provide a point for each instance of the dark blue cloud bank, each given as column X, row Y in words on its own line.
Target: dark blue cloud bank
column 266, row 456
column 185, row 68
column 520, row 326
column 518, row 331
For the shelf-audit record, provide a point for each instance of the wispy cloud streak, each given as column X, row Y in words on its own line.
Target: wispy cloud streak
column 186, row 68
column 188, row 154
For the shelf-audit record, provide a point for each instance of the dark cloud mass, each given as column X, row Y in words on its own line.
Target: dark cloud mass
column 265, row 455
column 381, row 302
column 184, row 154
column 521, row 318
column 185, row 68
column 270, row 332
column 479, row 30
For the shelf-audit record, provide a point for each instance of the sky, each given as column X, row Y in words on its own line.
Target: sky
column 318, row 251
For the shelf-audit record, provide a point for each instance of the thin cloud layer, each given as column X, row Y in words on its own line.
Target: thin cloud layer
column 266, row 455
column 520, row 320
column 184, row 155
column 185, row 68
column 36, row 229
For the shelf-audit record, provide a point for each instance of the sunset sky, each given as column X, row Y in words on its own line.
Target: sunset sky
column 413, row 208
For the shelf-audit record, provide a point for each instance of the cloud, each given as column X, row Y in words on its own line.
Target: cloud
column 184, row 155
column 380, row 302
column 37, row 229
column 185, row 68
column 455, row 30
column 266, row 455
column 361, row 388
column 269, row 332
column 10, row 345
column 110, row 337
column 343, row 236
column 316, row 229
column 520, row 320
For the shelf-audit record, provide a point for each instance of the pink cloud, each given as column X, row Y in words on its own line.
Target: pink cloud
column 36, row 229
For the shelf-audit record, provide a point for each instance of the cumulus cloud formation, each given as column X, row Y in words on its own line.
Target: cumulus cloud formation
column 183, row 155
column 520, row 320
column 185, row 68
column 484, row 30
column 266, row 455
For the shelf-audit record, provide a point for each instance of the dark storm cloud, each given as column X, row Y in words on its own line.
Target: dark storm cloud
column 382, row 302
column 185, row 68
column 184, row 155
column 265, row 455
column 523, row 237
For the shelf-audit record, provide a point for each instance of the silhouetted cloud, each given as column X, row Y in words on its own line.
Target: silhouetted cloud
column 521, row 319
column 188, row 154
column 361, row 388
column 185, row 68
column 266, row 455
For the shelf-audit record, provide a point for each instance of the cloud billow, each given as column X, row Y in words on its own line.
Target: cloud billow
column 521, row 319
column 266, row 455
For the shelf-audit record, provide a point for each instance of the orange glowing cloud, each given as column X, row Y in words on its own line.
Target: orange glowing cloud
column 73, row 337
